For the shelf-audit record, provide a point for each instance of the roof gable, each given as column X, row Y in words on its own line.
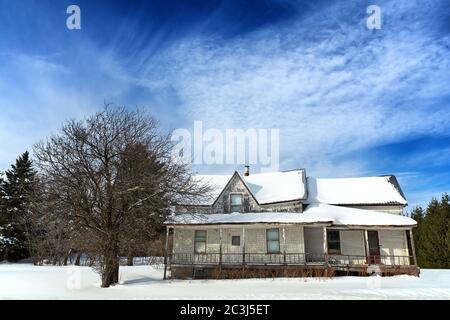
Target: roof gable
column 265, row 188
column 235, row 175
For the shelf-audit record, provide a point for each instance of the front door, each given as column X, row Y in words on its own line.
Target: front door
column 374, row 247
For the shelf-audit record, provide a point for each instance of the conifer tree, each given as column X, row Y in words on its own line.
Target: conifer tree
column 418, row 214
column 434, row 236
column 4, row 240
column 16, row 190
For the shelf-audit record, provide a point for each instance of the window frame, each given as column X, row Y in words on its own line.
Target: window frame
column 230, row 205
column 196, row 241
column 239, row 241
column 278, row 240
column 334, row 241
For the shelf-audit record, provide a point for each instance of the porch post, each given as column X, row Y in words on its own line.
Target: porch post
column 243, row 246
column 325, row 244
column 166, row 248
column 412, row 246
column 366, row 246
column 284, row 244
column 220, row 248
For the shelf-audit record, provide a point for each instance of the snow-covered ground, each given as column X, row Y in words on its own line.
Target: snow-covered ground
column 25, row 281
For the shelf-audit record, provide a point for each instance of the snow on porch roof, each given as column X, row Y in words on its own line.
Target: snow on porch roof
column 358, row 217
column 315, row 213
column 268, row 187
column 383, row 190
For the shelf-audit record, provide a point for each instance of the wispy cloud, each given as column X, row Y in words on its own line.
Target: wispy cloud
column 39, row 93
column 331, row 86
column 334, row 89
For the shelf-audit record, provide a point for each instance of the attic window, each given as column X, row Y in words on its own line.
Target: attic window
column 236, row 202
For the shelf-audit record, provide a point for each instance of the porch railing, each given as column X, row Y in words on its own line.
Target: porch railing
column 285, row 259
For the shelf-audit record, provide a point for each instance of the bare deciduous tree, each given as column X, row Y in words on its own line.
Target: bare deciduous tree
column 112, row 176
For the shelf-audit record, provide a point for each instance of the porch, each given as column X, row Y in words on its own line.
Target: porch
column 284, row 259
column 281, row 247
column 217, row 265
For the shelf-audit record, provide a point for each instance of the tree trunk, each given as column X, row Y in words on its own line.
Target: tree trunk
column 116, row 274
column 110, row 274
column 66, row 257
column 77, row 260
column 5, row 256
column 130, row 259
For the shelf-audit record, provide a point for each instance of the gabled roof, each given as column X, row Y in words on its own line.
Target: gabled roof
column 269, row 187
column 382, row 190
column 314, row 213
column 216, row 182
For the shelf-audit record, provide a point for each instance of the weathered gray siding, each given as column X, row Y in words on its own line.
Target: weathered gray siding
column 294, row 240
column 353, row 246
column 388, row 209
column 222, row 205
column 235, row 186
column 255, row 239
column 394, row 243
column 227, row 236
column 183, row 240
column 313, row 239
column 352, row 242
column 212, row 241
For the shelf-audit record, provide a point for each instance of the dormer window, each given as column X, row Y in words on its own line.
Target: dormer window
column 236, row 202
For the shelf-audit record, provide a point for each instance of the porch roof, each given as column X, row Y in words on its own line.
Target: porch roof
column 314, row 214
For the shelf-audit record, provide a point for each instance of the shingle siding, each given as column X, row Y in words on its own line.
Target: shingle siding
column 394, row 243
column 236, row 185
column 255, row 239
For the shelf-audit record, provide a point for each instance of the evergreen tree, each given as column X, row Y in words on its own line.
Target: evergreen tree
column 434, row 236
column 3, row 222
column 445, row 207
column 419, row 215
column 16, row 190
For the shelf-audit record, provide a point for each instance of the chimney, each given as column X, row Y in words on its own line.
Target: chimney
column 246, row 170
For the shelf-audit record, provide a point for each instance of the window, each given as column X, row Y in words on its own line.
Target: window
column 236, row 202
column 273, row 240
column 334, row 242
column 200, row 241
column 235, row 240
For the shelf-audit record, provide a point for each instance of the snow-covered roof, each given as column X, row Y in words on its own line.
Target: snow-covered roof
column 268, row 187
column 357, row 217
column 315, row 213
column 252, row 217
column 216, row 182
column 382, row 190
column 273, row 187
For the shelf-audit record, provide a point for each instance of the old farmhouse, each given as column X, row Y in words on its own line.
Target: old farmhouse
column 288, row 224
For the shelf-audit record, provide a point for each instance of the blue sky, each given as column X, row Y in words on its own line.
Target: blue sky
column 348, row 101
